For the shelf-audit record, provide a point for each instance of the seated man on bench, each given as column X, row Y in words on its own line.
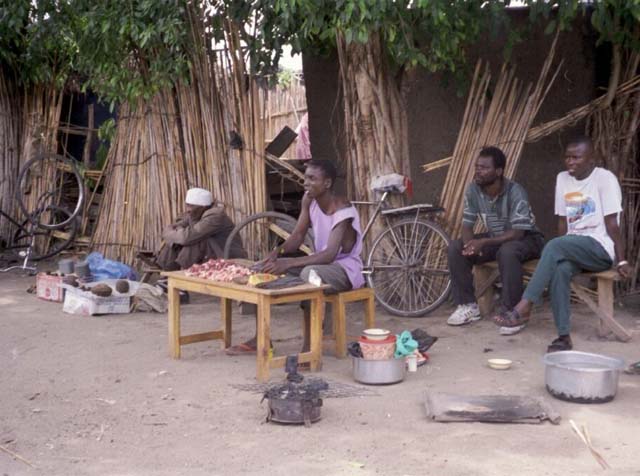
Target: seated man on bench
column 512, row 237
column 197, row 236
column 337, row 240
column 588, row 202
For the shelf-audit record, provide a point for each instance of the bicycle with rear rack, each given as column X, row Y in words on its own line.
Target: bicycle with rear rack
column 406, row 265
column 50, row 193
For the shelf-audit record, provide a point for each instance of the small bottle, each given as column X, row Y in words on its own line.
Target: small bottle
column 412, row 362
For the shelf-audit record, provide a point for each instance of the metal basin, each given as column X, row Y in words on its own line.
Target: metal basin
column 582, row 377
column 379, row 372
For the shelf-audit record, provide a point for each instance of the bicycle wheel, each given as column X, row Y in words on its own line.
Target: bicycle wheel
column 48, row 242
column 262, row 232
column 407, row 267
column 47, row 181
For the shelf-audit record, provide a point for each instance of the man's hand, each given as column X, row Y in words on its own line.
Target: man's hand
column 170, row 228
column 278, row 266
column 473, row 247
column 625, row 270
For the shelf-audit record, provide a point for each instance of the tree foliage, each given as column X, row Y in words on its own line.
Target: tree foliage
column 433, row 34
column 615, row 21
column 36, row 40
column 126, row 50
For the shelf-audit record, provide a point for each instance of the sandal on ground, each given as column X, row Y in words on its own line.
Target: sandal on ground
column 560, row 344
column 510, row 319
column 633, row 369
column 241, row 349
column 423, row 357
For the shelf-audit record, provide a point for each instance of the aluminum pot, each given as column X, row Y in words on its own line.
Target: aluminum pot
column 379, row 372
column 582, row 377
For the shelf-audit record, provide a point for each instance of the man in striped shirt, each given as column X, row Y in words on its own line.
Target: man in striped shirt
column 511, row 237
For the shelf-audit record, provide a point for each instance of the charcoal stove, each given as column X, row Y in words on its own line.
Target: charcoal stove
column 295, row 402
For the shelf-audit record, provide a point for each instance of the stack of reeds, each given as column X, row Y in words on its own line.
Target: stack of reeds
column 614, row 130
column 41, row 110
column 146, row 179
column 181, row 139
column 9, row 151
column 503, row 121
column 375, row 120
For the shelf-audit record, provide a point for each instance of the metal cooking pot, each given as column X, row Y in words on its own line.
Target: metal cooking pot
column 582, row 377
column 285, row 410
column 379, row 372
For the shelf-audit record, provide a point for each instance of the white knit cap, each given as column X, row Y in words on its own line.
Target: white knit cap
column 199, row 196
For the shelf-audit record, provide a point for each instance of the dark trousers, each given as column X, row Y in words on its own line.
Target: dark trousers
column 509, row 255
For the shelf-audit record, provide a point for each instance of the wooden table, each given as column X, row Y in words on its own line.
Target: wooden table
column 263, row 298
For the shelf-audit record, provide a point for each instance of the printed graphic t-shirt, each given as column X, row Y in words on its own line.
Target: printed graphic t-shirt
column 586, row 202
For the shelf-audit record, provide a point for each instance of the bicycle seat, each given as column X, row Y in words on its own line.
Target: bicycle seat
column 418, row 207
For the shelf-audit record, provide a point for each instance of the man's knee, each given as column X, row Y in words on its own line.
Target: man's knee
column 555, row 244
column 455, row 248
column 509, row 252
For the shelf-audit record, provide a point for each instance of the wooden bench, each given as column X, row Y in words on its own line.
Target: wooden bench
column 338, row 303
column 486, row 275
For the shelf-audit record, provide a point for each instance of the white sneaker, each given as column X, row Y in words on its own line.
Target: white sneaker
column 509, row 331
column 464, row 314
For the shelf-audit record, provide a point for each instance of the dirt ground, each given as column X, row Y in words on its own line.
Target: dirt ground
column 100, row 396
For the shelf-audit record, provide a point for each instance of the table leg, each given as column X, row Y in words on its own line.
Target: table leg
column 263, row 334
column 174, row 321
column 317, row 315
column 225, row 308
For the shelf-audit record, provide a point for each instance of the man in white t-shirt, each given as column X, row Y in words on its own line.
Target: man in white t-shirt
column 588, row 203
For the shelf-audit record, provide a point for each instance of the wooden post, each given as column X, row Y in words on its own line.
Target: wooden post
column 86, row 153
column 484, row 278
column 605, row 303
column 370, row 310
column 340, row 326
column 174, row 321
column 317, row 316
column 263, row 333
column 225, row 309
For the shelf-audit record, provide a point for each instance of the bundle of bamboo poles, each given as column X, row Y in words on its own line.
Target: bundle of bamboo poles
column 41, row 110
column 178, row 140
column 504, row 122
column 146, row 179
column 9, row 150
column 375, row 120
column 614, row 130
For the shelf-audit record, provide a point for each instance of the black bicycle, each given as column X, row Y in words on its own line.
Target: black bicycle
column 50, row 192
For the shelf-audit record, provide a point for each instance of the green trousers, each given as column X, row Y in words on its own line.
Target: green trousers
column 562, row 258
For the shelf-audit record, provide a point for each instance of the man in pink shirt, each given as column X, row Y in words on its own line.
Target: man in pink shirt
column 337, row 240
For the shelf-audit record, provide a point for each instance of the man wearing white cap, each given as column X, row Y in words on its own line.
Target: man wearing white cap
column 199, row 235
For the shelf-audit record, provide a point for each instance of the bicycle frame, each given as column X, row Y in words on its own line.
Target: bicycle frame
column 380, row 205
column 23, row 254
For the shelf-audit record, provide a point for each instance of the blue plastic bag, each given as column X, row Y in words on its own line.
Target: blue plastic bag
column 102, row 268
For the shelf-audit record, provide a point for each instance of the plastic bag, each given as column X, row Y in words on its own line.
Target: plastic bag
column 102, row 268
column 405, row 345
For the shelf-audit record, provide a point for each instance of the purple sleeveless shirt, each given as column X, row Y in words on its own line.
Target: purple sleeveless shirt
column 322, row 225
